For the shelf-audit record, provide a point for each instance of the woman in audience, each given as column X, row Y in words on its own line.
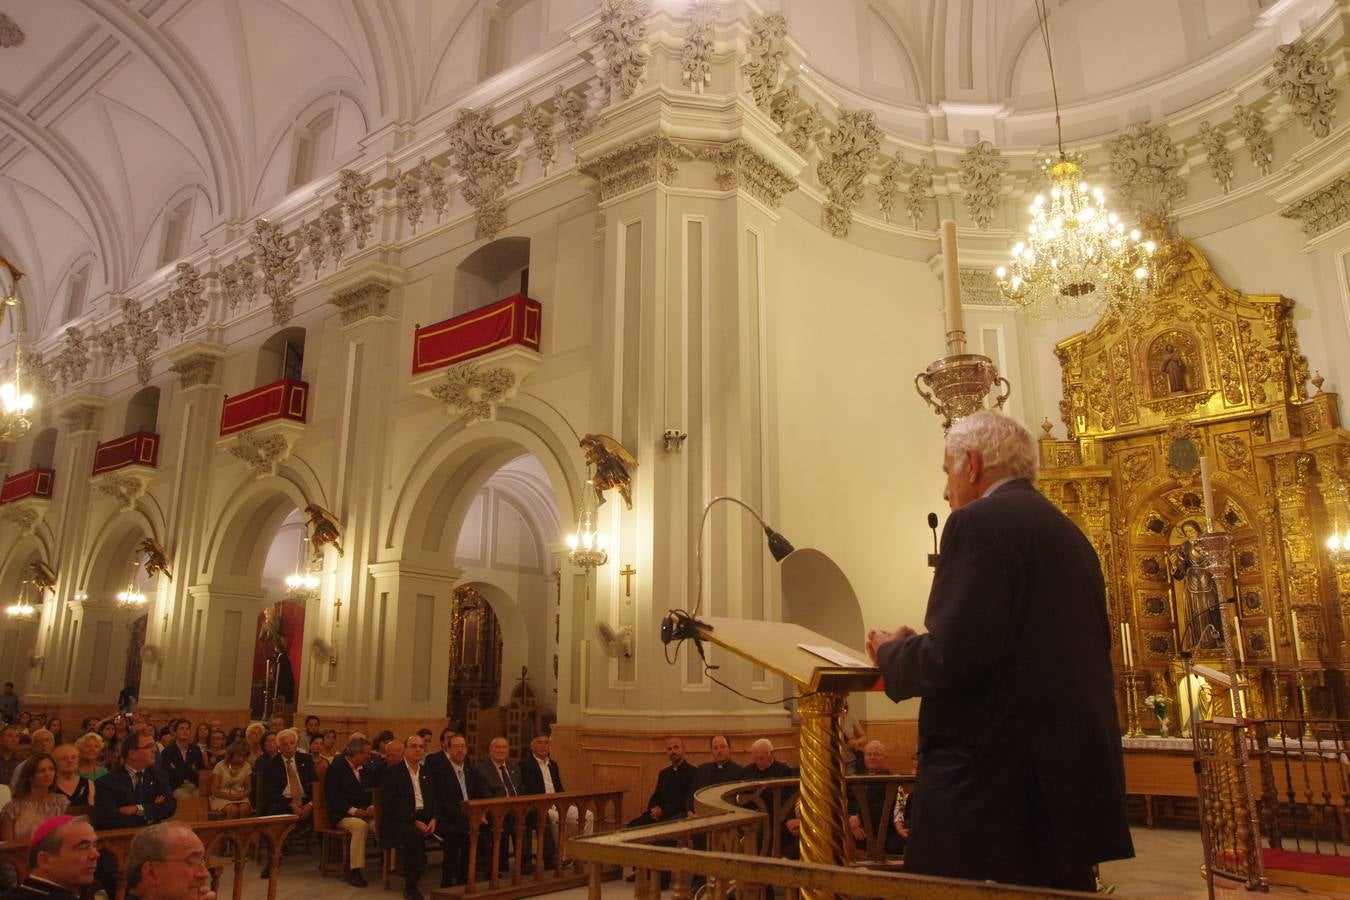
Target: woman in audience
column 316, row 756
column 88, row 724
column 77, row 789
column 269, row 746
column 54, row 726
column 330, row 745
column 232, row 783
column 215, row 748
column 90, row 748
column 25, row 717
column 34, row 800
column 107, row 729
column 201, row 736
column 253, row 736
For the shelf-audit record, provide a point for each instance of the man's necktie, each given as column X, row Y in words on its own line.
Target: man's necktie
column 506, row 780
column 463, row 790
column 293, row 784
column 136, row 786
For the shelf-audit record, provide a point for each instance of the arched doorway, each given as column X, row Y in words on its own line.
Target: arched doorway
column 278, row 647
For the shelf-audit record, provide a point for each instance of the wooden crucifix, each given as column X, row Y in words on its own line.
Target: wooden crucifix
column 627, row 572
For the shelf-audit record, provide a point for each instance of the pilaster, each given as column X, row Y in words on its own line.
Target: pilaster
column 401, row 655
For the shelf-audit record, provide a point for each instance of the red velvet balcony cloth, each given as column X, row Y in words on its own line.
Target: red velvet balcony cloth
column 33, row 483
column 279, row 400
column 514, row 320
column 140, row 448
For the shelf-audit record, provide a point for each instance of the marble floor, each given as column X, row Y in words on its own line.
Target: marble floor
column 1166, row 865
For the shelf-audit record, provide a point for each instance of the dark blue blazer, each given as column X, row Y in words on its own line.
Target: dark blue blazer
column 115, row 790
column 1019, row 743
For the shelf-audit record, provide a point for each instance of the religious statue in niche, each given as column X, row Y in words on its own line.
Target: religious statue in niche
column 1198, row 599
column 1173, row 364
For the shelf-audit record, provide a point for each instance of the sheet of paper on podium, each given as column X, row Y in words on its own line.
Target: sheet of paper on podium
column 806, row 658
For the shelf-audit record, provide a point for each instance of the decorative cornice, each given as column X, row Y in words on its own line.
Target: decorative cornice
column 198, row 370
column 650, row 160
column 1323, row 209
column 80, row 416
column 740, row 166
column 979, row 287
column 362, row 300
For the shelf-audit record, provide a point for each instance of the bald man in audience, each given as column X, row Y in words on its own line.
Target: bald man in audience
column 763, row 765
column 674, row 784
column 718, row 770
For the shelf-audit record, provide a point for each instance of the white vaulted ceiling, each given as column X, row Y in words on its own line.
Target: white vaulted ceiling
column 131, row 131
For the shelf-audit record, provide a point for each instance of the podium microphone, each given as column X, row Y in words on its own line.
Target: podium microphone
column 932, row 524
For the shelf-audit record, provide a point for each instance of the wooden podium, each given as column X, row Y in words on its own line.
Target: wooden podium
column 822, row 685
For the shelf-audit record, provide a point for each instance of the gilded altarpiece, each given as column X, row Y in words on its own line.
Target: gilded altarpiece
column 1205, row 370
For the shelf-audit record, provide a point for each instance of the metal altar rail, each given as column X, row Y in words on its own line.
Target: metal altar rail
column 1300, row 774
column 735, row 842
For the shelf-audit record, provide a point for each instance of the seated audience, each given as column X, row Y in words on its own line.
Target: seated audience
column 763, row 765
column 349, row 804
column 58, row 733
column 253, row 736
column 408, row 817
column 232, row 783
column 320, row 761
column 137, row 793
column 313, row 731
column 452, row 778
column 496, row 776
column 718, row 770
column 168, row 862
column 874, row 763
column 69, row 783
column 287, row 781
column 674, row 784
column 201, row 736
column 34, row 800
column 62, row 857
column 42, row 742
column 9, row 752
column 90, row 749
column 330, row 752
column 269, row 749
column 539, row 774
column 279, row 724
column 182, row 759
column 215, row 748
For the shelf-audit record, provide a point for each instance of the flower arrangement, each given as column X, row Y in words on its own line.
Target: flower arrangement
column 1159, row 704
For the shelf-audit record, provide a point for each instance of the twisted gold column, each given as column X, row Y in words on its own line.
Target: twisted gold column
column 824, row 805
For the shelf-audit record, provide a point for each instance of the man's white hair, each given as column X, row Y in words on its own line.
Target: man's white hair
column 762, row 744
column 999, row 440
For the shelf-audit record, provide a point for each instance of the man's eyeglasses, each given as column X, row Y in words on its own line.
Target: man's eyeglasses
column 193, row 860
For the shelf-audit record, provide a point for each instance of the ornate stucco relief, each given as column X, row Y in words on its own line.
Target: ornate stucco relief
column 654, row 159
column 766, row 49
column 622, row 35
column 475, row 392
column 739, row 165
column 484, row 156
column 846, row 156
column 1303, row 79
column 1144, row 164
column 1323, row 209
column 982, row 168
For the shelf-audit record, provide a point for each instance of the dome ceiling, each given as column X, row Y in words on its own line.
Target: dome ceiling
column 133, row 132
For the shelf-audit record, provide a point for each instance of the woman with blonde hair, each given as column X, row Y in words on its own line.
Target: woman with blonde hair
column 90, row 748
column 232, row 782
column 76, row 788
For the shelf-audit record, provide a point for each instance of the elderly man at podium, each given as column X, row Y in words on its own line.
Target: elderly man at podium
column 1021, row 777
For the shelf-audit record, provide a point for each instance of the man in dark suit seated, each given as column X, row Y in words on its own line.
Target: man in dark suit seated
column 539, row 774
column 763, row 766
column 670, row 799
column 349, row 804
column 182, row 759
column 287, row 782
column 452, row 780
column 497, row 776
column 880, row 820
column 441, row 758
column 408, row 813
column 718, row 770
column 133, row 795
column 1016, row 625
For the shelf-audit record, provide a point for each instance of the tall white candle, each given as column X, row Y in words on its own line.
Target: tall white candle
column 1208, row 490
column 1270, row 630
column 951, row 287
column 1124, row 645
column 1237, row 636
column 1298, row 644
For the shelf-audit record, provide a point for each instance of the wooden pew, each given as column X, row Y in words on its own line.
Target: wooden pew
column 241, row 834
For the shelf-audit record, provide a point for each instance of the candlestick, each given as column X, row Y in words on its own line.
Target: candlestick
column 1208, row 490
column 951, row 288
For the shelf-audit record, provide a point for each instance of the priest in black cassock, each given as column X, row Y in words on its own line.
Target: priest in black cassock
column 1021, row 777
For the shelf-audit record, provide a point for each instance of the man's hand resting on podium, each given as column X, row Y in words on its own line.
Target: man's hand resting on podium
column 876, row 637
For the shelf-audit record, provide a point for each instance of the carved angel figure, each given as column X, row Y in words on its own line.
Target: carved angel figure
column 156, row 558
column 41, row 575
column 324, row 528
column 611, row 463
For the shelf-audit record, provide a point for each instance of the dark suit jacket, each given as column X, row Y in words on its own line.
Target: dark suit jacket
column 532, row 779
column 450, row 818
column 31, row 888
column 776, row 769
column 674, row 786
column 182, row 767
column 114, row 790
column 273, row 776
column 488, row 782
column 1019, row 746
column 342, row 790
column 398, row 803
column 709, row 774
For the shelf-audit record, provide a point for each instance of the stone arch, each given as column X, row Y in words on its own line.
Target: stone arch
column 123, row 528
column 457, row 460
column 236, row 548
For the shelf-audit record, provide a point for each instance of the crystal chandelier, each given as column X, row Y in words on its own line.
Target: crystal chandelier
column 1078, row 258
column 15, row 403
column 130, row 598
column 586, row 547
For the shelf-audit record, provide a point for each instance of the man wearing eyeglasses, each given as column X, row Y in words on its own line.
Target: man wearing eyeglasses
column 138, row 793
column 62, row 856
column 168, row 862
